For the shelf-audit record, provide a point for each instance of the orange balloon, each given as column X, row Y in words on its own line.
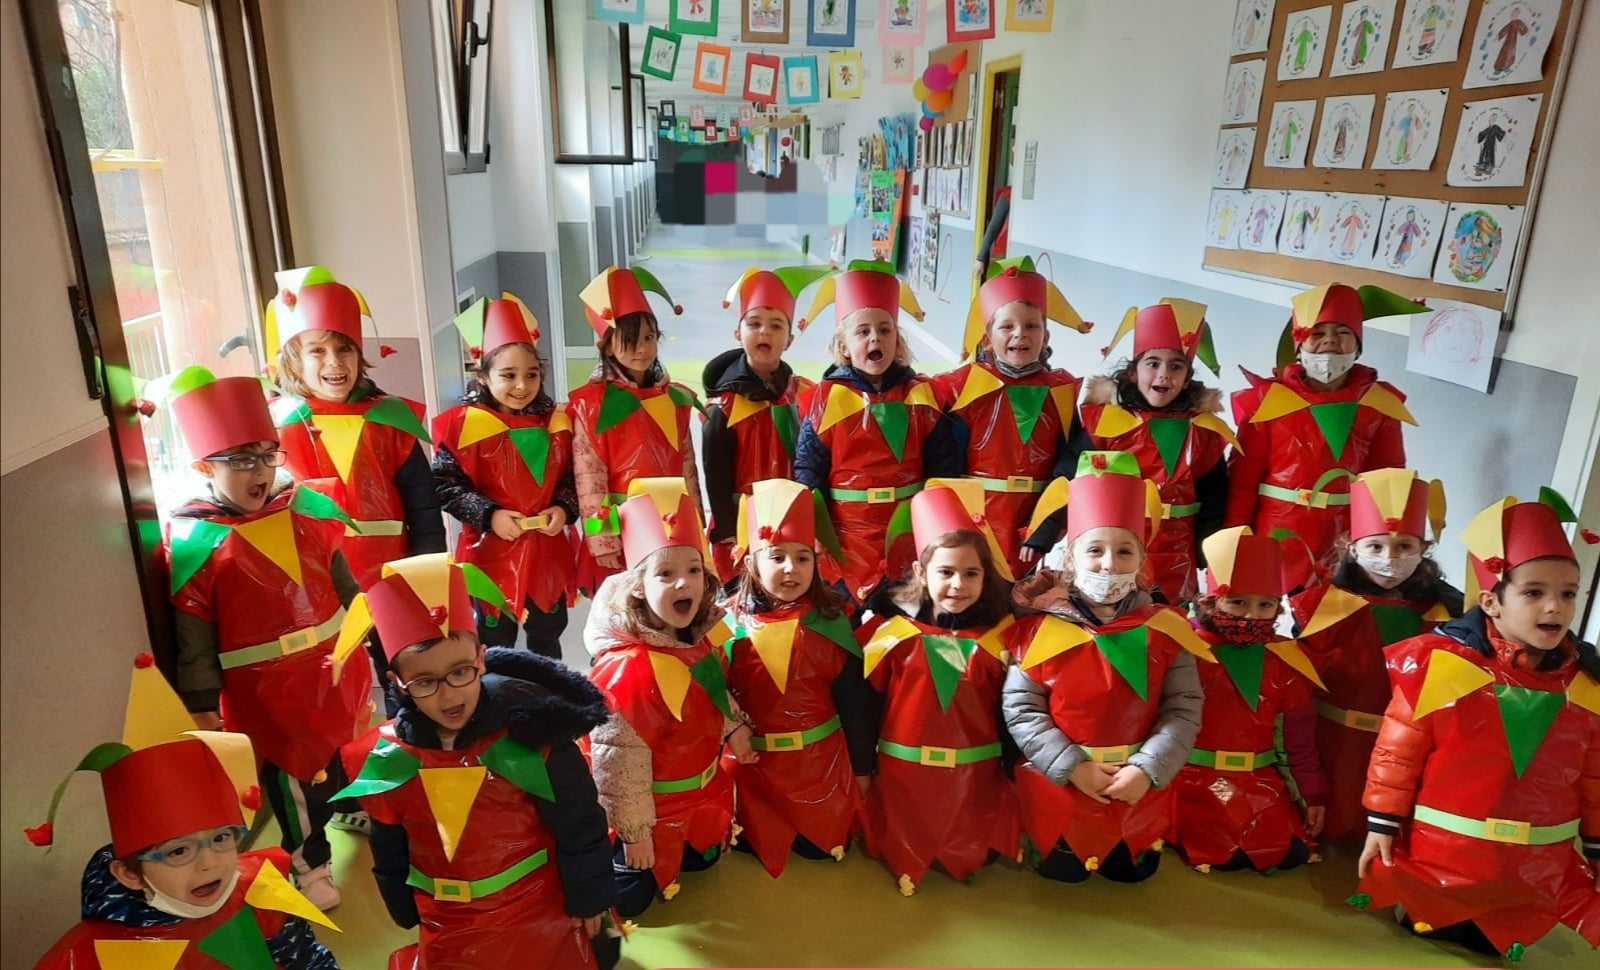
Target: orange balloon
column 940, row 100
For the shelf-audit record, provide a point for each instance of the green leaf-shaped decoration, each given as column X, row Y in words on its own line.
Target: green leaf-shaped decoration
column 1244, row 664
column 1335, row 420
column 707, row 672
column 533, row 444
column 388, row 766
column 1169, row 435
column 1128, row 652
column 396, row 413
column 520, row 766
column 615, row 406
column 947, row 661
column 1526, row 714
column 894, row 420
column 238, row 943
column 193, row 542
column 1027, row 401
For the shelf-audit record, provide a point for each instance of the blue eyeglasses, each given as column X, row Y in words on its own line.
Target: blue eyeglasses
column 182, row 852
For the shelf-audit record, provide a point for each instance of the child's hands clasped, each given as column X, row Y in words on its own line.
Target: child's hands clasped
column 739, row 744
column 1091, row 778
column 506, row 524
column 1128, row 785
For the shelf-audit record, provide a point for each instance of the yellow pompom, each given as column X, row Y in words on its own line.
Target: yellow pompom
column 1315, row 857
column 1204, row 867
column 672, row 890
column 1422, row 927
column 837, row 852
column 907, row 887
column 319, row 777
column 1158, row 845
column 1092, row 863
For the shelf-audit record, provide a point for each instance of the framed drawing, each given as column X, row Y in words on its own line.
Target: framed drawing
column 620, row 11
column 661, row 53
column 711, row 67
column 697, row 116
column 800, row 80
column 693, row 17
column 669, row 109
column 761, row 78
column 969, row 20
column 844, row 74
column 897, row 65
column 903, row 22
column 1034, row 15
column 764, row 21
column 831, row 23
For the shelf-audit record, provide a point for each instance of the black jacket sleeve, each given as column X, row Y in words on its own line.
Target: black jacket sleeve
column 1049, row 532
column 943, row 455
column 419, row 497
column 566, row 495
column 991, row 232
column 1211, row 489
column 391, row 866
column 859, row 709
column 344, row 581
column 456, row 493
column 1075, row 442
column 813, row 463
column 295, row 947
column 583, row 842
column 719, row 451
column 199, row 670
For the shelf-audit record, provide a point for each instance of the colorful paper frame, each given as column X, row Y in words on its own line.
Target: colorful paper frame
column 828, row 36
column 807, row 64
column 653, row 37
column 897, row 64
column 678, row 25
column 619, row 11
column 1041, row 24
column 706, row 54
column 753, row 93
column 750, row 35
column 910, row 32
column 957, row 35
column 844, row 74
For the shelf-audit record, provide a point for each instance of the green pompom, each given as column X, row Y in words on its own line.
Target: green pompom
column 1514, row 952
column 1359, row 901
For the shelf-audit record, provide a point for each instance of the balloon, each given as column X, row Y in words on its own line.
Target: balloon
column 938, row 77
column 958, row 63
column 919, row 91
column 925, row 123
column 928, row 113
column 940, row 100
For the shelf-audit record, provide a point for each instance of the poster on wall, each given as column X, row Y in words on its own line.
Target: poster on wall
column 1289, row 135
column 1346, row 125
column 1479, row 245
column 693, row 17
column 968, row 20
column 1241, row 95
column 1493, row 141
column 711, row 67
column 764, row 21
column 760, row 81
column 1235, row 148
column 661, row 53
column 1510, row 41
column 1365, row 29
column 1263, row 214
column 831, row 23
column 897, row 65
column 1454, row 342
column 1252, row 26
column 1350, row 231
column 903, row 23
column 1408, row 236
column 1409, row 135
column 1304, row 42
column 800, row 83
column 844, row 74
column 1430, row 32
column 1224, row 217
column 620, row 11
column 1303, row 219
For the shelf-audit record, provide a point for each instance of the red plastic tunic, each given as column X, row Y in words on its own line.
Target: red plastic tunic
column 764, row 435
column 1344, row 635
column 1220, row 812
column 499, row 452
column 1453, row 735
column 1292, row 437
column 1096, row 706
column 461, row 930
column 793, row 790
column 1175, row 450
column 680, row 749
column 76, row 951
column 941, row 696
column 1016, row 428
column 362, row 444
column 286, row 701
column 874, row 440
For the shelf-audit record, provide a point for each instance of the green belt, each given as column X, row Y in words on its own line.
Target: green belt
column 928, row 754
column 463, row 891
column 1232, row 760
column 1110, row 754
column 691, row 783
column 874, row 496
column 1498, row 829
column 1016, row 483
column 283, row 646
column 1309, row 497
column 377, row 527
column 1180, row 511
column 795, row 740
column 1359, row 720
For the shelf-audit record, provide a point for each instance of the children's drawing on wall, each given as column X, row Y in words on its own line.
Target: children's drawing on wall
column 1303, row 219
column 1252, row 26
column 1430, row 32
column 1222, row 223
column 769, row 16
column 1479, row 244
column 903, row 21
column 1408, row 236
column 1235, row 148
column 1028, row 14
column 1509, row 44
column 1351, row 228
column 1454, row 342
column 973, row 15
column 1409, row 136
column 1365, row 28
column 1304, row 39
column 1493, row 141
column 1242, row 93
column 1342, row 139
column 928, row 271
column 1263, row 213
column 1289, row 135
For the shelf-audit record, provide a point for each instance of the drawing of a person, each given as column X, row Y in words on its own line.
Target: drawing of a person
column 1224, row 221
column 1488, row 138
column 830, row 13
column 1258, row 229
column 1291, row 128
column 1234, row 156
column 901, row 17
column 1302, row 220
column 1252, row 24
column 1429, row 35
column 1341, row 138
column 1302, row 47
column 1407, row 125
column 1514, row 29
column 1241, row 95
column 1409, row 231
column 697, row 6
column 1361, row 37
column 1352, row 225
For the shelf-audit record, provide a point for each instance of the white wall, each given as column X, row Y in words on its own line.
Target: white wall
column 522, row 148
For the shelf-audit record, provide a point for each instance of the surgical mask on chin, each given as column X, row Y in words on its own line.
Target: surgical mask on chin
column 183, row 910
column 1387, row 572
column 1106, row 588
column 1326, row 368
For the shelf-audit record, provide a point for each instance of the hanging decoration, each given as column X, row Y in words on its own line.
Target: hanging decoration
column 760, row 80
column 936, row 88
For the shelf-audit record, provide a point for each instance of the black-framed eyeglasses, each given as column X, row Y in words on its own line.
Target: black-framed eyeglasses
column 246, row 461
column 177, row 853
column 428, row 686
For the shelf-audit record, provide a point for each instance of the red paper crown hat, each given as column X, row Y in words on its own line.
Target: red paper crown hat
column 1110, row 492
column 309, row 298
column 488, row 325
column 1395, row 502
column 864, row 285
column 659, row 514
column 616, row 292
column 776, row 289
column 1172, row 324
column 1011, row 281
column 1242, row 563
column 418, row 599
column 218, row 415
column 943, row 506
column 1338, row 303
column 1511, row 532
column 781, row 510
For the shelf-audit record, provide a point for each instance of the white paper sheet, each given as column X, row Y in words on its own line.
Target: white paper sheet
column 1478, row 245
column 1493, row 141
column 1346, row 128
column 1510, row 41
column 1289, row 135
column 1365, row 29
column 1408, row 138
column 1305, row 41
column 1430, row 32
column 1408, row 236
column 1241, row 95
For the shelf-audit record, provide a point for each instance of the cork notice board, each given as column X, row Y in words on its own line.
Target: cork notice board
column 1429, row 184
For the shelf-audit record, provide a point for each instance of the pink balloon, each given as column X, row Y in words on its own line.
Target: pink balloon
column 925, row 123
column 938, row 77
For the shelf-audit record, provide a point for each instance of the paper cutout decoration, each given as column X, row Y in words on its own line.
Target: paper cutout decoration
column 830, row 23
column 1408, row 236
column 967, row 20
column 1222, row 224
column 1030, row 15
column 1365, row 29
column 1289, row 135
column 1252, row 26
column 149, row 954
column 694, row 17
column 800, row 80
column 1510, row 41
column 903, row 22
column 1342, row 137
column 764, row 21
column 620, row 11
column 711, row 67
column 1303, row 218
column 1430, row 32
column 844, row 74
column 1263, row 214
column 661, row 54
column 1409, row 134
column 1455, row 342
column 270, row 889
column 1304, row 39
column 1235, row 148
column 1351, row 229
column 1479, row 244
column 1493, row 141
column 1241, row 95
column 451, row 792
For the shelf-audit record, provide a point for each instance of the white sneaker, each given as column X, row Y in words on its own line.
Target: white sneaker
column 315, row 884
column 358, row 822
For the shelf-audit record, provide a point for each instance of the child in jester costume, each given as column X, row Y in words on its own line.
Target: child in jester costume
column 1385, row 588
column 486, row 831
column 1322, row 420
column 630, row 420
column 932, row 649
column 752, row 399
column 874, row 431
column 1016, row 413
column 795, row 669
column 1154, row 409
column 1234, row 810
column 503, row 462
column 1105, row 699
column 1483, row 797
column 657, row 640
column 259, row 586
column 173, row 888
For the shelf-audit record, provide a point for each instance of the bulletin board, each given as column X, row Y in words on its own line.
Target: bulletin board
column 1366, row 180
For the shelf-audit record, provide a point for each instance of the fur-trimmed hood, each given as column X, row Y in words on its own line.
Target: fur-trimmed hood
column 1108, row 390
column 604, row 630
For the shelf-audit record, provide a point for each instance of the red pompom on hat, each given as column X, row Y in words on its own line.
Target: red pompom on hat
column 420, row 599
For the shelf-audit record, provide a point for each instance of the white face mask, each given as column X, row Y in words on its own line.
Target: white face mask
column 1327, row 368
column 1387, row 572
column 183, row 910
column 1106, row 588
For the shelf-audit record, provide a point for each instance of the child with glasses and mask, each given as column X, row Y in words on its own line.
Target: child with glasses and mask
column 259, row 588
column 487, row 832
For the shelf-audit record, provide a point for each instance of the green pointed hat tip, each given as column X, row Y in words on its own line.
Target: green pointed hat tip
column 1557, row 504
column 1022, row 264
column 797, row 278
column 870, row 266
column 191, row 377
column 649, row 283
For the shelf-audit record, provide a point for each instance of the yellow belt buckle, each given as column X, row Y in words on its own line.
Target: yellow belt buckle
column 533, row 523
column 1235, row 760
column 298, row 640
column 785, row 741
column 878, row 496
column 1370, row 723
column 452, row 890
column 1019, row 483
column 1507, row 830
column 1109, row 756
column 708, row 774
column 936, row 757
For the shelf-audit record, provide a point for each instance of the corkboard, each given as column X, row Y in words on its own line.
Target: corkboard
column 961, row 95
column 1428, row 184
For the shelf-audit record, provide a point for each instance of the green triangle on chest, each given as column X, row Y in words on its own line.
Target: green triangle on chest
column 1128, row 653
column 947, row 661
column 1526, row 715
column 1027, row 403
column 1169, row 434
column 894, row 420
column 238, row 944
column 1335, row 422
column 787, row 424
column 708, row 673
column 1396, row 623
column 533, row 444
column 615, row 405
column 1244, row 664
